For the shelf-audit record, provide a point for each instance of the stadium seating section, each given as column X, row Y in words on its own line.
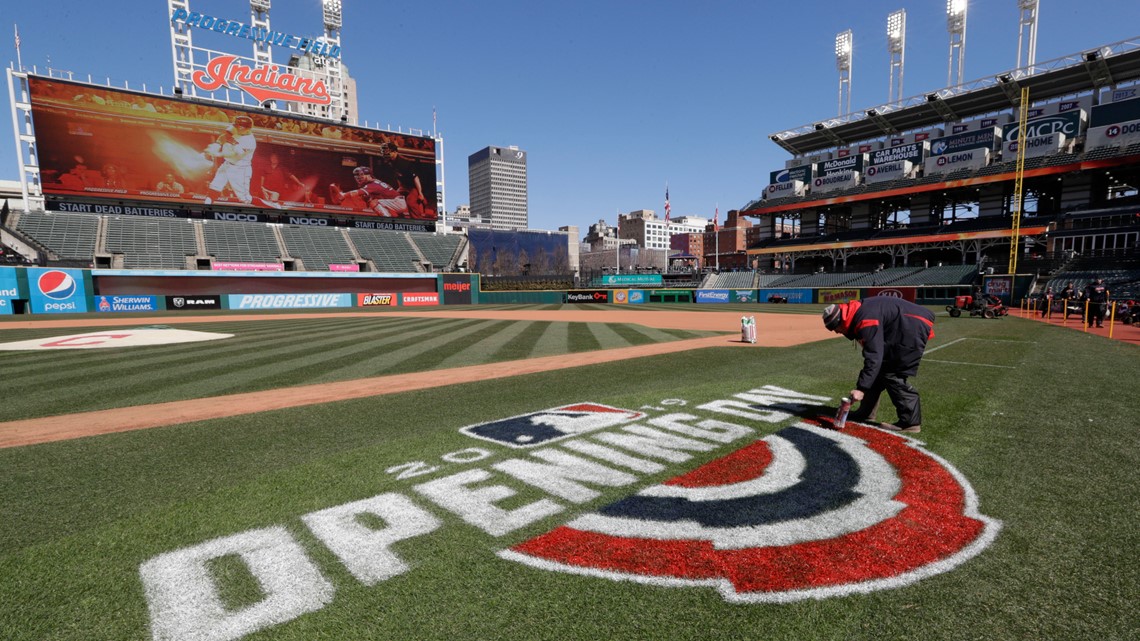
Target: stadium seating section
column 137, row 242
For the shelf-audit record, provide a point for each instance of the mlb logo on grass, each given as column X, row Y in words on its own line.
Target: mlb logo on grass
column 537, row 428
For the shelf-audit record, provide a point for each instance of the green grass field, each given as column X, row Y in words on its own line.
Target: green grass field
column 1041, row 422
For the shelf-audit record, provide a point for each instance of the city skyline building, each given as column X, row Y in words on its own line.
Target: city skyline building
column 497, row 182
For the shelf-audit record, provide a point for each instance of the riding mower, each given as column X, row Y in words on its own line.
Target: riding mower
column 987, row 307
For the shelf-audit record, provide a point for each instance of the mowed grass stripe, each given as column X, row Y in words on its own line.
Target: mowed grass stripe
column 555, row 340
column 369, row 361
column 305, row 361
column 580, row 338
column 606, row 336
column 490, row 348
column 120, row 377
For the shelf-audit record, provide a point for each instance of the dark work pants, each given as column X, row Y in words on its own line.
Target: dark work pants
column 902, row 394
column 1096, row 314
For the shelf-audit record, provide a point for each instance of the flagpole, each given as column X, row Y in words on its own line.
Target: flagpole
column 716, row 232
column 617, row 237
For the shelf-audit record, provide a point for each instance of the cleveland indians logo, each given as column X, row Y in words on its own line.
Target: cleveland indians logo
column 807, row 512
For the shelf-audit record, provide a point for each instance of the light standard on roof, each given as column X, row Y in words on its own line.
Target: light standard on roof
column 332, row 14
column 956, row 25
column 843, row 44
column 1027, row 32
column 896, row 47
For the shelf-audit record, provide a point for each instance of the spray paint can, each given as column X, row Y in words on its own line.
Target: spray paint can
column 841, row 415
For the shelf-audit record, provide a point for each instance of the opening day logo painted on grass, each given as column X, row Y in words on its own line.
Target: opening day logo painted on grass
column 807, row 512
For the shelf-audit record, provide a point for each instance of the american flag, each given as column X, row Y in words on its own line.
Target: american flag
column 17, row 37
column 668, row 209
column 716, row 217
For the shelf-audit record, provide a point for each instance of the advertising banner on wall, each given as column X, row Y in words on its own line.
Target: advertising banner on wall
column 1046, row 145
column 905, row 293
column 1000, row 286
column 980, row 123
column 834, row 181
column 829, row 296
column 456, row 289
column 9, row 289
column 375, row 300
column 637, row 297
column 588, row 296
column 713, row 296
column 126, row 303
column 981, row 139
column 780, row 190
column 966, row 159
column 419, row 299
column 108, row 145
column 802, row 174
column 889, row 171
column 1070, row 124
column 653, row 280
column 913, row 152
column 287, row 301
column 621, row 297
column 54, row 291
column 191, row 303
column 918, row 136
column 792, row 295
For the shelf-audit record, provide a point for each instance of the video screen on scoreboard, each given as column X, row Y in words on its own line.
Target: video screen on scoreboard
column 100, row 142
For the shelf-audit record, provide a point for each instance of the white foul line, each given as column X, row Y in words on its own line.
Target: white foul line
column 931, row 360
column 956, row 340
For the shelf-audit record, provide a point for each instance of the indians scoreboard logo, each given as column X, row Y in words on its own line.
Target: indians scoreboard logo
column 57, row 285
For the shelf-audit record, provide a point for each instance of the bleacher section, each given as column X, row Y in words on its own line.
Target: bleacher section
column 151, row 243
column 69, row 236
column 883, row 277
column 941, row 275
column 240, row 242
column 440, row 250
column 730, row 280
column 317, row 247
column 390, row 252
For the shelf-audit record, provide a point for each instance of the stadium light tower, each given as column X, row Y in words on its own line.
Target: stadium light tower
column 332, row 14
column 896, row 47
column 259, row 19
column 843, row 45
column 956, row 25
column 1027, row 32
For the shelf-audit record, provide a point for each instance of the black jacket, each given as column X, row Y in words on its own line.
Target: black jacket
column 893, row 334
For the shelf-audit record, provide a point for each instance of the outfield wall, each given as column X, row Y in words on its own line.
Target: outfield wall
column 39, row 290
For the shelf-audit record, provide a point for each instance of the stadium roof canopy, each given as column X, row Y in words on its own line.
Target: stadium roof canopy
column 1111, row 65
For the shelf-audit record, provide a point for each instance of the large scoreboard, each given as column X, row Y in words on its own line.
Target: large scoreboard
column 108, row 150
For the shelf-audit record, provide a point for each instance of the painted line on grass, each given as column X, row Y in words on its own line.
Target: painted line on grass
column 956, row 340
column 932, row 360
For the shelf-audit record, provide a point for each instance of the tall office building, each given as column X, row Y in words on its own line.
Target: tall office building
column 497, row 182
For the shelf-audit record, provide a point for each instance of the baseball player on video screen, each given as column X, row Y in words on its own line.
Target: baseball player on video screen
column 235, row 147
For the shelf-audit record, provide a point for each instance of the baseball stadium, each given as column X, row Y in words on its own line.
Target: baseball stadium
column 256, row 386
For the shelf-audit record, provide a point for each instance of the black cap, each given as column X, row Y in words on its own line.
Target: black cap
column 832, row 317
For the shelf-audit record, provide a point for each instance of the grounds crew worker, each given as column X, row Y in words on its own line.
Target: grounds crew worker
column 1097, row 296
column 893, row 334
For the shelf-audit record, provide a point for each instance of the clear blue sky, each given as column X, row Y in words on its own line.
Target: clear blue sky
column 611, row 100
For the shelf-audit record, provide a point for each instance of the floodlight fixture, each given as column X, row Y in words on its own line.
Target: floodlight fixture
column 259, row 5
column 843, row 55
column 332, row 14
column 896, row 48
column 843, row 43
column 896, row 30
